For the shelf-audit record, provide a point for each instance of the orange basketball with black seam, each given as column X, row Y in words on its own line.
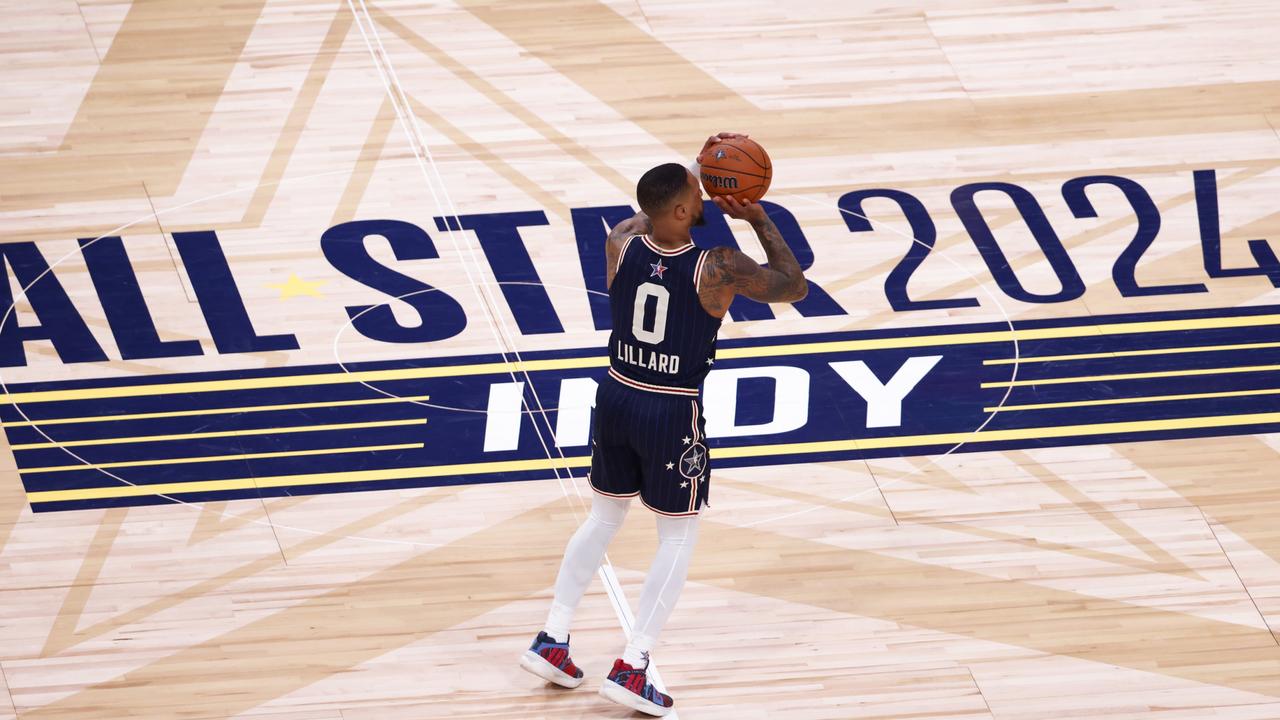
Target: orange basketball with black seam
column 737, row 167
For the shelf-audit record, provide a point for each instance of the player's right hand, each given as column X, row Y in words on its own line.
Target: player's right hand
column 740, row 210
column 715, row 139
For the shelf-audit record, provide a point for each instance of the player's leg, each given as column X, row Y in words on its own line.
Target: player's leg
column 674, row 486
column 581, row 560
column 662, row 586
column 628, row 682
column 615, row 479
column 548, row 657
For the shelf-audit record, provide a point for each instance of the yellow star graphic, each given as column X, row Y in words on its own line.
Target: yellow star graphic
column 295, row 286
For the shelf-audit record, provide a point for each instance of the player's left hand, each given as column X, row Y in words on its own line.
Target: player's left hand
column 715, row 139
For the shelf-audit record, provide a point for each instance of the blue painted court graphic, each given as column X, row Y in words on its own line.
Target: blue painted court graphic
column 799, row 398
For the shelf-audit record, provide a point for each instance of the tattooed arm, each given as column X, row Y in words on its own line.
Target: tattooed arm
column 728, row 272
column 637, row 224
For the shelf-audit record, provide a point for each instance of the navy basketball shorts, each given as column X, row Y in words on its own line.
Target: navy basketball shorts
column 652, row 445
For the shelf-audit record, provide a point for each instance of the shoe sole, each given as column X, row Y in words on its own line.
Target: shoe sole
column 614, row 692
column 536, row 664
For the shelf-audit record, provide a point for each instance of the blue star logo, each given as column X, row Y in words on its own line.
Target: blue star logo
column 658, row 269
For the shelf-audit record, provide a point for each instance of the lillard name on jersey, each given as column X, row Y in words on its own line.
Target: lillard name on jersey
column 662, row 336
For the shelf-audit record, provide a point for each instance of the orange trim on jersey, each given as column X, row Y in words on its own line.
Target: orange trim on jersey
column 650, row 387
column 664, row 252
column 661, row 512
column 609, row 494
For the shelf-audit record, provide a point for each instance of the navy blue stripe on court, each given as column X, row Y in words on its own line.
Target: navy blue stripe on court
column 1199, row 393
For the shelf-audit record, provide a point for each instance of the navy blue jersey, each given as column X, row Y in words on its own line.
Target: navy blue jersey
column 662, row 336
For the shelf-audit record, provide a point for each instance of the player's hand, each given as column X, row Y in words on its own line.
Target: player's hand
column 740, row 209
column 715, row 139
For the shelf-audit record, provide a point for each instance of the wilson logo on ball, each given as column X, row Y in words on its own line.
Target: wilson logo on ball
column 720, row 182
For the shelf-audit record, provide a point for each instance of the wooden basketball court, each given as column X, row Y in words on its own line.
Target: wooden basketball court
column 303, row 324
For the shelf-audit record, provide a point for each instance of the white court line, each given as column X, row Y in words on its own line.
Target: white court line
column 408, row 122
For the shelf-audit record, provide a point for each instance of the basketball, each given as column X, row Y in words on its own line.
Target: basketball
column 737, row 167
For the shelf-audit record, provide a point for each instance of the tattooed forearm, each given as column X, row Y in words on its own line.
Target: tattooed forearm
column 791, row 286
column 728, row 272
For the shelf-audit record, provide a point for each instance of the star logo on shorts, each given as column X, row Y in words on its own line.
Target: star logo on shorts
column 658, row 269
column 686, row 439
column 684, row 484
column 693, row 463
column 671, row 466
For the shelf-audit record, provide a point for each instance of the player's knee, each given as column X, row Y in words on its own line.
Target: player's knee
column 677, row 531
column 609, row 523
column 609, row 512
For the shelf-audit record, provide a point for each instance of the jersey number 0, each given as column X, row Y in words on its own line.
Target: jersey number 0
column 659, row 331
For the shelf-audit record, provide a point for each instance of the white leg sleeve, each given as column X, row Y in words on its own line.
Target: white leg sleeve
column 676, row 539
column 582, row 559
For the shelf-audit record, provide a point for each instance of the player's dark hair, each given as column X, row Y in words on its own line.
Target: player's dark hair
column 660, row 186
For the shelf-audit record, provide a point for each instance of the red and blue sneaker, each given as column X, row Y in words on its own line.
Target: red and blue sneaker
column 550, row 661
column 630, row 687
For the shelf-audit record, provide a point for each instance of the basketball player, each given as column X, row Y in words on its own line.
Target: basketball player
column 667, row 298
